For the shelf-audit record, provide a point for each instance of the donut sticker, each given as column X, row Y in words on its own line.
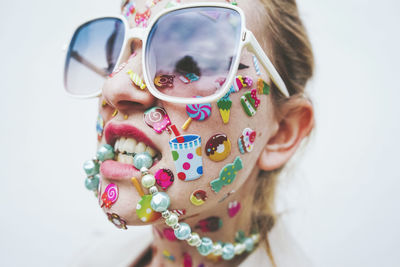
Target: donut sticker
column 144, row 211
column 110, row 196
column 218, row 147
column 198, row 197
column 246, row 140
column 164, row 81
column 164, row 178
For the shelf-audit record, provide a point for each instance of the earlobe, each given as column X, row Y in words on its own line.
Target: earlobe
column 295, row 125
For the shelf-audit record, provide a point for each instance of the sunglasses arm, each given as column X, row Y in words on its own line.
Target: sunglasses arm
column 254, row 47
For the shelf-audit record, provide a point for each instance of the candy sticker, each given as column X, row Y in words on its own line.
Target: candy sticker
column 144, row 210
column 110, row 196
column 246, row 140
column 189, row 78
column 227, row 175
column 168, row 255
column 135, row 78
column 187, row 260
column 210, row 224
column 187, row 156
column 142, row 18
column 116, row 220
column 164, row 81
column 99, row 127
column 263, row 88
column 233, row 208
column 179, row 212
column 248, row 104
column 218, row 147
column 169, row 234
column 198, row 197
column 256, row 65
column 198, row 112
column 157, row 118
column 164, row 178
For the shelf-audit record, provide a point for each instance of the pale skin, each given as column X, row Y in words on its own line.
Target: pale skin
column 277, row 140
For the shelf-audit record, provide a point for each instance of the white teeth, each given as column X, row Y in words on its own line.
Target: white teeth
column 125, row 159
column 140, row 147
column 130, row 145
column 121, row 144
column 116, row 145
column 151, row 151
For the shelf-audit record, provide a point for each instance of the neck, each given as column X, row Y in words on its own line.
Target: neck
column 215, row 223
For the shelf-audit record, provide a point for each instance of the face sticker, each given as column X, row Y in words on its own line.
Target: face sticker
column 120, row 67
column 227, row 175
column 187, row 156
column 187, row 260
column 218, row 147
column 210, row 224
column 246, row 140
column 110, row 196
column 263, row 88
column 142, row 18
column 164, row 81
column 99, row 127
column 135, row 78
column 198, row 112
column 256, row 65
column 144, row 210
column 168, row 255
column 250, row 102
column 164, row 178
column 169, row 234
column 179, row 212
column 233, row 208
column 128, row 9
column 157, row 119
column 189, row 78
column 116, row 220
column 198, row 197
column 226, row 196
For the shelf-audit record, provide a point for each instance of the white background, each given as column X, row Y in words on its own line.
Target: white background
column 342, row 198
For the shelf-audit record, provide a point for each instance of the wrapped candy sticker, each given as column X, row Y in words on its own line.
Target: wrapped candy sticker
column 227, row 175
column 246, row 140
column 157, row 118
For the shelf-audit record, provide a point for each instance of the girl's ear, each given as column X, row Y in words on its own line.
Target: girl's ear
column 295, row 124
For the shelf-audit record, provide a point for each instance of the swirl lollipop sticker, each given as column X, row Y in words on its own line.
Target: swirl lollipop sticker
column 110, row 196
column 198, row 112
column 158, row 119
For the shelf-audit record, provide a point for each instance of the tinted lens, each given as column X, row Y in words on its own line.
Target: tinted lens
column 92, row 55
column 190, row 51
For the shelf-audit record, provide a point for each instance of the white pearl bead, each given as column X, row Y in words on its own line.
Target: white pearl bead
column 148, row 180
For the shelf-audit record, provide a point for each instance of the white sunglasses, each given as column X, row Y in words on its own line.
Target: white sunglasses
column 197, row 44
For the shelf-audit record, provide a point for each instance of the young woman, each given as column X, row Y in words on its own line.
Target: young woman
column 202, row 106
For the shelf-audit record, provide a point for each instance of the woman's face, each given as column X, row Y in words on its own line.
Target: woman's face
column 128, row 133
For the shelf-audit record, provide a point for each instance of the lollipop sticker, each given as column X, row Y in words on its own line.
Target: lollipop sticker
column 227, row 175
column 144, row 210
column 157, row 118
column 246, row 140
column 198, row 112
column 110, row 196
column 186, row 153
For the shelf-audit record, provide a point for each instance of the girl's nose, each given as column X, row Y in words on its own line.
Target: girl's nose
column 121, row 92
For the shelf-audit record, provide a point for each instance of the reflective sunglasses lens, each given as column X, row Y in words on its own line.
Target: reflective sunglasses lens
column 190, row 51
column 92, row 55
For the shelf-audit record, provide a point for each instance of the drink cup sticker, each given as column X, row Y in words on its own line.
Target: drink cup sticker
column 164, row 178
column 218, row 147
column 246, row 140
column 157, row 118
column 110, row 196
column 227, row 175
column 198, row 197
column 187, row 156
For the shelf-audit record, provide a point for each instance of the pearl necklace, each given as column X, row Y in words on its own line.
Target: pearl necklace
column 160, row 202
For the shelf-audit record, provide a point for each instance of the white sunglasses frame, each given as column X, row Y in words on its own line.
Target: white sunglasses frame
column 247, row 40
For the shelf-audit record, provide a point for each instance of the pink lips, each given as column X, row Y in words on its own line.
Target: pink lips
column 114, row 170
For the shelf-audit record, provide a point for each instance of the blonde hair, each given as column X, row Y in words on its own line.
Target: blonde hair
column 289, row 48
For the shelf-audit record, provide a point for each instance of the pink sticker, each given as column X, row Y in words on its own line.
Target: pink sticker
column 164, row 178
column 110, row 195
column 157, row 118
column 169, row 234
column 233, row 208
